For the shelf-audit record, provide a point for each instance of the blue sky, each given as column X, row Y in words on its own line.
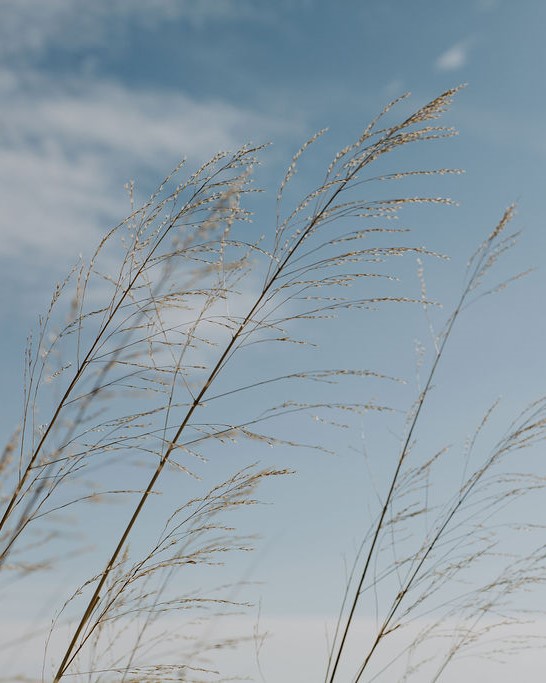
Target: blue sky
column 96, row 94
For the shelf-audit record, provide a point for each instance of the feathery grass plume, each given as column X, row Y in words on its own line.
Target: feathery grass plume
column 120, row 634
column 138, row 379
column 425, row 562
column 124, row 346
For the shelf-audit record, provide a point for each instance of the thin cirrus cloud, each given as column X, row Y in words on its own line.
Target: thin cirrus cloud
column 29, row 27
column 68, row 149
column 454, row 58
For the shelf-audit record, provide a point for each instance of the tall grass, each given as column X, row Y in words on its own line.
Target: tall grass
column 137, row 370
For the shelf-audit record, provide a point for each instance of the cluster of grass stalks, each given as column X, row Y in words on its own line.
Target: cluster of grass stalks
column 137, row 378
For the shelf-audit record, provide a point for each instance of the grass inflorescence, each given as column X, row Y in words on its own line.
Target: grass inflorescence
column 137, row 373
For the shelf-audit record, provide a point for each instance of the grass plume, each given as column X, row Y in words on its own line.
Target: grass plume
column 141, row 374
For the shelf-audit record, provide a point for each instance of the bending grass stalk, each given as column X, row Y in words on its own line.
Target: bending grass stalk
column 14, row 500
column 483, row 260
column 391, row 139
column 203, row 192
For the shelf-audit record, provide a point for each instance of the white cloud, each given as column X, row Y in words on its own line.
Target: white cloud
column 454, row 58
column 145, row 125
column 51, row 205
column 30, row 26
column 67, row 151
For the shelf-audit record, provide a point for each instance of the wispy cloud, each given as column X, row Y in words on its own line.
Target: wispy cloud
column 454, row 58
column 69, row 143
column 29, row 27
column 68, row 149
